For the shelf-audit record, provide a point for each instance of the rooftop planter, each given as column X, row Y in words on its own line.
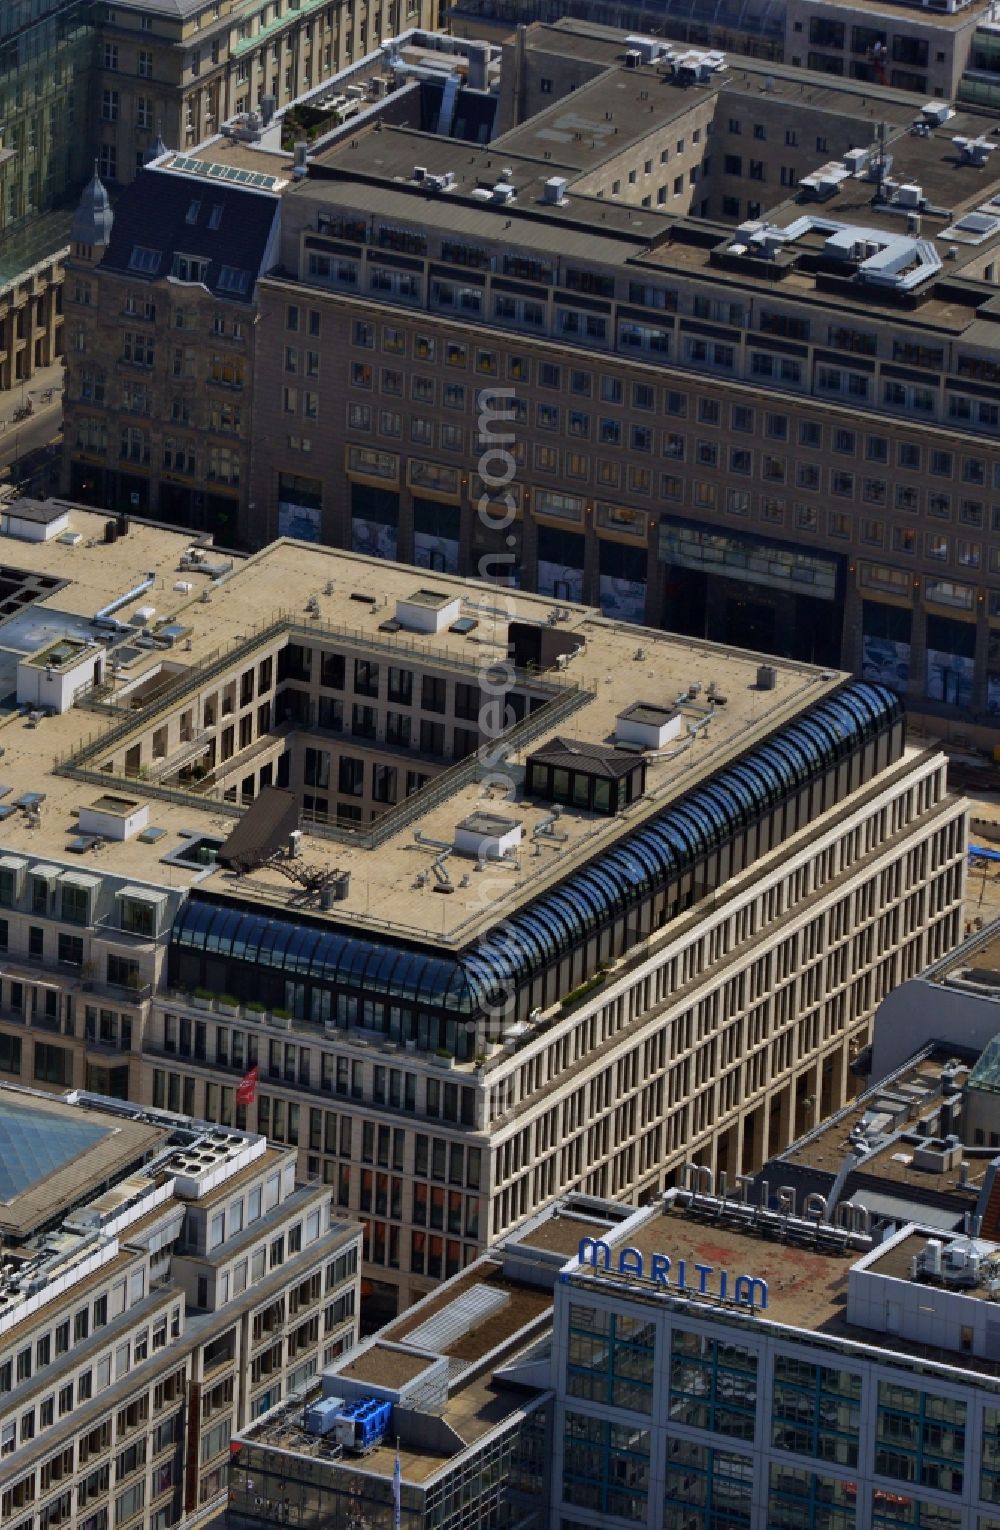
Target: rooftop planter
column 576, row 996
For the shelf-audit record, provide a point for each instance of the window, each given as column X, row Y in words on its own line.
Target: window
column 71, row 949
column 234, row 280
column 713, row 1385
column 53, row 1065
column 137, row 348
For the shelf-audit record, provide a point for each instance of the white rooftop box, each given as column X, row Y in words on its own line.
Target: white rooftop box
column 487, row 836
column 113, row 817
column 34, row 520
column 51, row 679
column 428, row 611
column 647, row 724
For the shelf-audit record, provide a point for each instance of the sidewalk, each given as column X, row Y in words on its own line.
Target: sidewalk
column 43, row 379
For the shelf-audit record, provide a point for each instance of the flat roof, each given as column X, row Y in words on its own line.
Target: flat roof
column 561, row 1234
column 383, row 1365
column 979, row 956
column 915, row 12
column 826, row 1147
column 38, row 512
column 807, row 1287
column 807, row 1284
column 386, row 891
column 476, row 1401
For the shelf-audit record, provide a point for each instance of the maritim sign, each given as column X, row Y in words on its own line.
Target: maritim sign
column 680, row 1277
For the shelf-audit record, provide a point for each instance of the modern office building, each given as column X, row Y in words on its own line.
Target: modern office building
column 709, row 1361
column 46, row 142
column 458, row 1392
column 706, row 436
column 815, row 1377
column 163, row 1282
column 504, row 900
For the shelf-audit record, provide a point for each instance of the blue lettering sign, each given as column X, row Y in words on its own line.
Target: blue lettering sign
column 743, row 1290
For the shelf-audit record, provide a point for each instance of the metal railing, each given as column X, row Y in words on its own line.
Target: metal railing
column 564, row 697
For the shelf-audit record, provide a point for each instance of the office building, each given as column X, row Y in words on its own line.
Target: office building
column 161, row 319
column 504, row 901
column 953, row 1001
column 46, row 79
column 815, row 1376
column 174, row 71
column 458, row 1392
column 710, row 1360
column 706, row 437
column 163, row 1281
column 947, row 50
column 85, row 84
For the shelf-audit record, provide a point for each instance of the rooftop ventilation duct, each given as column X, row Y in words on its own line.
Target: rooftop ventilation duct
column 937, row 112
column 103, row 617
column 974, row 151
column 649, row 49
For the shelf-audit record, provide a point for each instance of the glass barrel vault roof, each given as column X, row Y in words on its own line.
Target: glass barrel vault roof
column 475, row 980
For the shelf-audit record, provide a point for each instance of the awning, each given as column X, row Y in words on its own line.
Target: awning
column 82, row 879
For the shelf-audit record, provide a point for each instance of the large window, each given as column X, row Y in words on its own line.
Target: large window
column 815, row 1410
column 707, row 1489
column 713, row 1385
column 920, row 1438
column 606, row 1467
column 797, row 1498
column 53, row 1065
column 611, row 1359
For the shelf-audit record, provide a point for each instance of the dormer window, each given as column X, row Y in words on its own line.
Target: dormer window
column 144, row 260
column 232, row 279
column 190, row 268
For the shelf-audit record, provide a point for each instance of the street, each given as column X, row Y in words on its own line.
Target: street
column 30, row 449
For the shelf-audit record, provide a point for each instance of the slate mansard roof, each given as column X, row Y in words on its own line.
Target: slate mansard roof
column 164, row 217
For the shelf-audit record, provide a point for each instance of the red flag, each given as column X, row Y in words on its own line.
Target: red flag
column 246, row 1090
